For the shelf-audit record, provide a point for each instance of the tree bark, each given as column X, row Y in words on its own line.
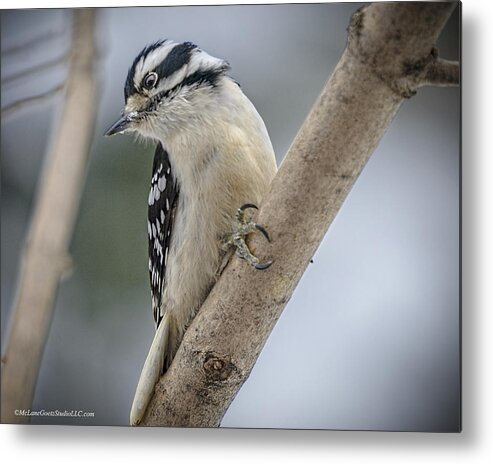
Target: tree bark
column 390, row 53
column 46, row 256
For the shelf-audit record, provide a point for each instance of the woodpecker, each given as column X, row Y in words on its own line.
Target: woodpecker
column 213, row 164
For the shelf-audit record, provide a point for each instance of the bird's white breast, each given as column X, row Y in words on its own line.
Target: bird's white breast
column 220, row 164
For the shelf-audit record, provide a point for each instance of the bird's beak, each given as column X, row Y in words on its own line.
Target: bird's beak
column 121, row 125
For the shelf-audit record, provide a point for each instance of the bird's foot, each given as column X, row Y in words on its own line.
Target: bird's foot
column 241, row 229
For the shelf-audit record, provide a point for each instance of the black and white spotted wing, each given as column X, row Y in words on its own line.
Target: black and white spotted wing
column 163, row 197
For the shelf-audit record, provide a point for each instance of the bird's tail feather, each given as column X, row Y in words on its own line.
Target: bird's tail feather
column 152, row 369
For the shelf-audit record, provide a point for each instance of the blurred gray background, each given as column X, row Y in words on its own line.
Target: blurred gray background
column 370, row 339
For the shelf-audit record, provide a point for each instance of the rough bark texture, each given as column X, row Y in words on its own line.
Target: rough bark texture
column 389, row 53
column 46, row 251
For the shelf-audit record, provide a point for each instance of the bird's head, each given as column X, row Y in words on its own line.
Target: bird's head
column 168, row 84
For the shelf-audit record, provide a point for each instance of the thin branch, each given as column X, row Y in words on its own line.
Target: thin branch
column 442, row 73
column 45, row 256
column 28, row 72
column 17, row 105
column 30, row 43
column 342, row 130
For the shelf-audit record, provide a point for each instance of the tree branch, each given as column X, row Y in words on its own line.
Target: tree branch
column 442, row 73
column 17, row 105
column 389, row 45
column 35, row 69
column 33, row 42
column 46, row 251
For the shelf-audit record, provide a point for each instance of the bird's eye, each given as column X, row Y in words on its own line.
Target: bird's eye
column 150, row 81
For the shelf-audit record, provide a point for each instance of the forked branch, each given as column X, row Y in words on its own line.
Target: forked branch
column 389, row 48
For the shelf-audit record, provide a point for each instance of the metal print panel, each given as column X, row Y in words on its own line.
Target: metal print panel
column 317, row 288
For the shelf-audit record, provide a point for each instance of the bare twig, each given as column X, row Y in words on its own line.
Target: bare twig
column 28, row 72
column 45, row 254
column 17, row 105
column 30, row 43
column 388, row 43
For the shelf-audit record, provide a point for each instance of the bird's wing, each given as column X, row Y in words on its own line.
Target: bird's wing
column 163, row 197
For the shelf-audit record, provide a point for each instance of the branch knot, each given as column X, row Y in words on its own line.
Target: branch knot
column 217, row 368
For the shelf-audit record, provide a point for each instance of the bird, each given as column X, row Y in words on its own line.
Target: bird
column 213, row 164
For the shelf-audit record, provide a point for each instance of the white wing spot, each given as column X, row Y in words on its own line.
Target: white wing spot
column 162, row 216
column 167, row 204
column 157, row 193
column 162, row 183
column 149, row 230
column 154, row 231
column 150, row 200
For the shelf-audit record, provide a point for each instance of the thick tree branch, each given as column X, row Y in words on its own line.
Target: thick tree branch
column 46, row 252
column 389, row 46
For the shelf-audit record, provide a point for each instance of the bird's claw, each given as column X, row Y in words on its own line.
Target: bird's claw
column 264, row 232
column 242, row 228
column 262, row 266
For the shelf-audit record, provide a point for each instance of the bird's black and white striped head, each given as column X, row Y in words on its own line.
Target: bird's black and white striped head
column 167, row 83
